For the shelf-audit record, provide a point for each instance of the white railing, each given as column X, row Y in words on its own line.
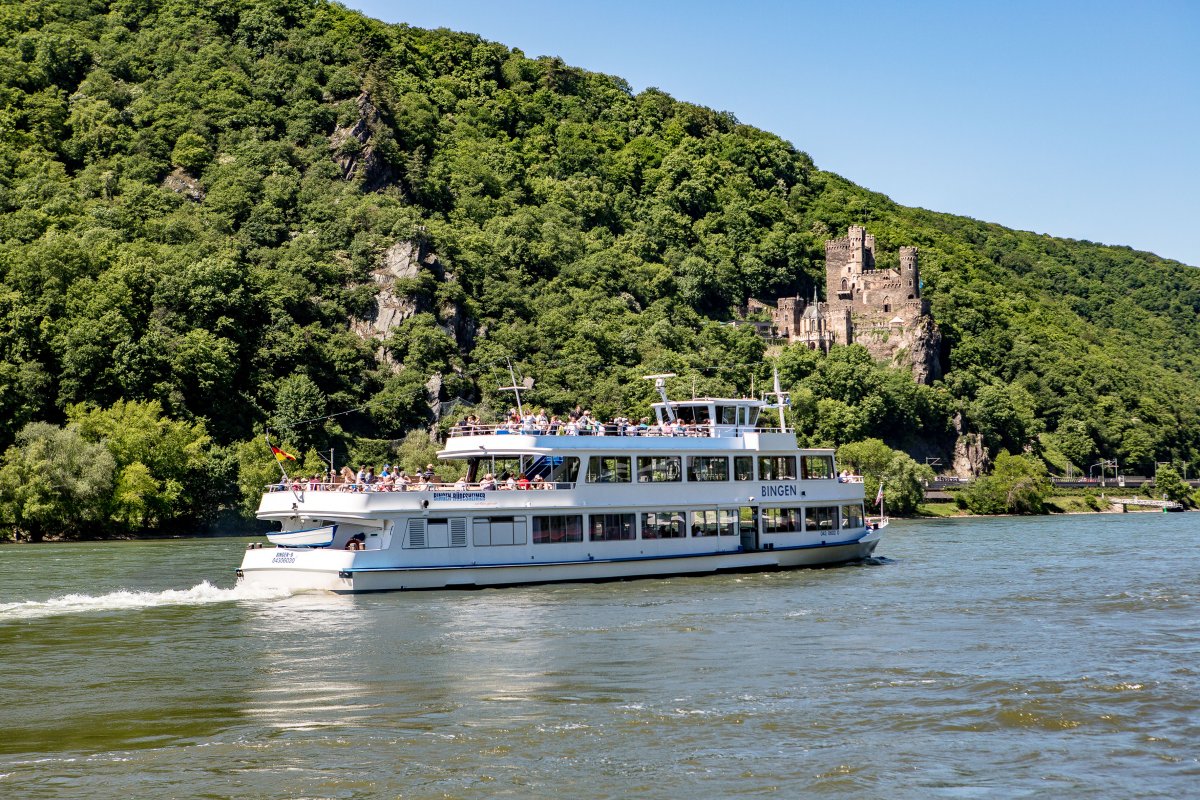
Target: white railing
column 562, row 429
column 307, row 486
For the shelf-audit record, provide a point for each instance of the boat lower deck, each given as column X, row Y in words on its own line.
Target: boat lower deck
column 335, row 571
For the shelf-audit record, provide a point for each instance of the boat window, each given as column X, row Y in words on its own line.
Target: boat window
column 556, row 469
column 728, row 521
column 558, row 528
column 820, row 518
column 704, row 523
column 753, row 412
column 777, row 468
column 743, row 468
column 782, row 520
column 487, row 531
column 852, row 516
column 662, row 525
column 708, row 468
column 609, row 469
column 728, row 415
column 610, row 527
column 816, row 467
column 658, row 469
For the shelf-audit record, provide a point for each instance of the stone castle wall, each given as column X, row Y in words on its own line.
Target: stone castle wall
column 879, row 308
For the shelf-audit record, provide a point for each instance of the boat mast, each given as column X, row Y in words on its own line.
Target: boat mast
column 660, row 383
column 516, row 390
column 781, row 399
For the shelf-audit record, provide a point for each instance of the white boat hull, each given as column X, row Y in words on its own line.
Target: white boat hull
column 352, row 572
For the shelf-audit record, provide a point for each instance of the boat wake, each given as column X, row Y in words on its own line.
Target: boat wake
column 201, row 594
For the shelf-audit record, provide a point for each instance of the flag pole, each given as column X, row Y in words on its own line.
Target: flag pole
column 278, row 460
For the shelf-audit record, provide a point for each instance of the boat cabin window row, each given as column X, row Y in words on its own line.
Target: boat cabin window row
column 812, row 518
column 627, row 526
column 700, row 469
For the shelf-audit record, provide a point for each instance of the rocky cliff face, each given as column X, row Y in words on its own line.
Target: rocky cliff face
column 971, row 458
column 354, row 148
column 915, row 346
column 401, row 271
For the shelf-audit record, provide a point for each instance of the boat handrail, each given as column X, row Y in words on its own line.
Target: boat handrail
column 306, row 486
column 694, row 431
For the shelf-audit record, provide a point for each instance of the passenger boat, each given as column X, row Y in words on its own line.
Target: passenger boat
column 728, row 495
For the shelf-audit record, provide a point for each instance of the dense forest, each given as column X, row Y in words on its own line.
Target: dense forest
column 194, row 197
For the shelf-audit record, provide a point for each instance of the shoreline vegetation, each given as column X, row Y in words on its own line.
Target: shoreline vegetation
column 294, row 217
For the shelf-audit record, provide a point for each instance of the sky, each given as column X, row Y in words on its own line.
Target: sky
column 1077, row 119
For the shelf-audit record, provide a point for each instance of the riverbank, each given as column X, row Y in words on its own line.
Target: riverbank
column 1056, row 505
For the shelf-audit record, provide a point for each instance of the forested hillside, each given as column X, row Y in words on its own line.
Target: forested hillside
column 194, row 195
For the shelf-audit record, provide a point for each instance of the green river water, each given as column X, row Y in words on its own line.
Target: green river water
column 988, row 658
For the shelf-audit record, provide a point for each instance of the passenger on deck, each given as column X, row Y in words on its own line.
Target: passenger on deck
column 511, row 483
column 522, row 482
column 460, row 484
column 488, row 484
column 357, row 542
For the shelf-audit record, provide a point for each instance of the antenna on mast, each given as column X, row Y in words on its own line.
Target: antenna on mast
column 782, row 398
column 660, row 383
column 515, row 389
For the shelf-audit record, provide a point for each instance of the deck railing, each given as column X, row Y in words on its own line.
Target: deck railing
column 309, row 486
column 609, row 429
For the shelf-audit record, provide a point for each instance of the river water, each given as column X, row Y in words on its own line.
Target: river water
column 993, row 658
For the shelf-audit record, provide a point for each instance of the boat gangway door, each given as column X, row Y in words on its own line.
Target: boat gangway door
column 748, row 527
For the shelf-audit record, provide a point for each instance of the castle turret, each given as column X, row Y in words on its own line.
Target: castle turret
column 910, row 278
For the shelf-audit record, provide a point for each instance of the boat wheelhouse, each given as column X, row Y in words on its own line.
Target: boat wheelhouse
column 706, row 489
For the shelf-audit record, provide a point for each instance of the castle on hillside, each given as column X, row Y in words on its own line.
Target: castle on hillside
column 881, row 309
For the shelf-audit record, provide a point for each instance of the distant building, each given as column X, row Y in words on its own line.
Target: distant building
column 881, row 309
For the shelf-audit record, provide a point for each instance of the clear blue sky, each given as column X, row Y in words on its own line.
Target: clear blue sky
column 1077, row 119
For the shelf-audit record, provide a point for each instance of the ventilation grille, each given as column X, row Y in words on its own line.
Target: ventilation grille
column 416, row 533
column 458, row 532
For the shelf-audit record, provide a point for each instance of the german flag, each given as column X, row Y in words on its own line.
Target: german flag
column 282, row 456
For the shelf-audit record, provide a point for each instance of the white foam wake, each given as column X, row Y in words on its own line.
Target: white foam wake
column 201, row 594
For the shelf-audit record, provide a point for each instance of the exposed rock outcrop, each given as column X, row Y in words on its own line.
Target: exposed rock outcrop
column 971, row 458
column 182, row 183
column 403, row 278
column 354, row 147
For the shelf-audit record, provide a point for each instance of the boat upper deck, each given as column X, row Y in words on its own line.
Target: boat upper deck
column 494, row 442
column 698, row 425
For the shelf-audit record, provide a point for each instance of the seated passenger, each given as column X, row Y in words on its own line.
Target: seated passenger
column 488, row 483
column 522, row 482
column 460, row 484
column 357, row 542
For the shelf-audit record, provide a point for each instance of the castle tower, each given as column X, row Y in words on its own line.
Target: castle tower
column 910, row 278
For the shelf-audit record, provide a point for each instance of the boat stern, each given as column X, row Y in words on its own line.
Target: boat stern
column 297, row 569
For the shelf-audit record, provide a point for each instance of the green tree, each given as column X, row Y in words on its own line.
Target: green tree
column 1169, row 484
column 1016, row 485
column 53, row 481
column 161, row 463
column 903, row 478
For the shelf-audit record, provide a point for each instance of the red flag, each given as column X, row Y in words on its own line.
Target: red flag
column 282, row 456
